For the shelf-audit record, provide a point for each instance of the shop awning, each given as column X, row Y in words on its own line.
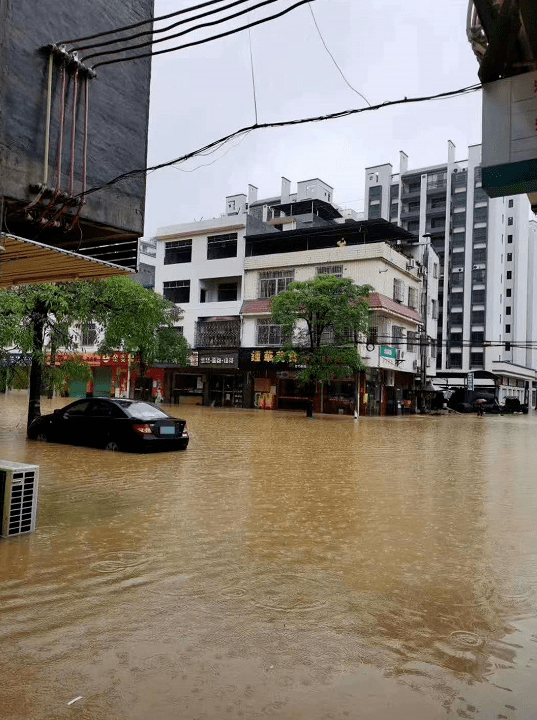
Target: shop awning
column 27, row 262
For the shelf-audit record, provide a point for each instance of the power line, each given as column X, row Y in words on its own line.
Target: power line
column 334, row 59
column 113, row 41
column 180, row 34
column 283, row 123
column 206, row 40
column 139, row 24
column 253, row 76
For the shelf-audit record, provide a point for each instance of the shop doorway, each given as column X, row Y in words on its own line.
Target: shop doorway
column 225, row 390
column 102, row 381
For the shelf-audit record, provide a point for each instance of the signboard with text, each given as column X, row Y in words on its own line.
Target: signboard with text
column 388, row 352
column 217, row 359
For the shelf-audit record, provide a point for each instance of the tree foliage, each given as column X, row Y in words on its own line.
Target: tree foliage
column 39, row 319
column 322, row 319
column 140, row 321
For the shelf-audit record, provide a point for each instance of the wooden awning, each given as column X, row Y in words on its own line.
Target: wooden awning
column 26, row 262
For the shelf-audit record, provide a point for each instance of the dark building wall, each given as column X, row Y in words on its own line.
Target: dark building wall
column 118, row 107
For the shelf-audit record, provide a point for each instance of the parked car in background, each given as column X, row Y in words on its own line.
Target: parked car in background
column 112, row 424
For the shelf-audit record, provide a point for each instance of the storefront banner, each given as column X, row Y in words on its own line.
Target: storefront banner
column 388, row 352
column 15, row 360
column 95, row 360
column 220, row 360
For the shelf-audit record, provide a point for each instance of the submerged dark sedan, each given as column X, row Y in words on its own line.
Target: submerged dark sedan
column 113, row 424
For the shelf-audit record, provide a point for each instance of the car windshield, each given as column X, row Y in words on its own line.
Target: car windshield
column 144, row 411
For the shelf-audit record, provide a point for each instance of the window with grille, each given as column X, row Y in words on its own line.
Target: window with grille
column 477, row 176
column 272, row 282
column 457, row 279
column 479, row 255
column 508, row 328
column 476, row 359
column 177, row 291
column 477, row 317
column 478, row 297
column 455, row 360
column 372, row 335
column 480, row 235
column 268, row 333
column 509, row 257
column 398, row 290
column 436, row 180
column 89, row 334
column 221, row 246
column 412, row 298
column 411, row 341
column 509, row 238
column 336, row 270
column 511, row 203
column 479, row 276
column 508, row 310
column 397, row 335
column 178, row 251
column 477, row 337
column 508, row 292
column 218, row 333
column 455, row 318
column 480, row 214
column 510, row 221
column 509, row 275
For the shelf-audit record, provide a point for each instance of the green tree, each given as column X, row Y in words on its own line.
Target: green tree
column 323, row 318
column 33, row 314
column 141, row 322
column 36, row 319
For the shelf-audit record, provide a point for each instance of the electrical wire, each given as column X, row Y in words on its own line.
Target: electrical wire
column 210, row 23
column 232, row 147
column 334, row 59
column 205, row 40
column 253, row 76
column 139, row 24
column 282, row 123
column 153, row 32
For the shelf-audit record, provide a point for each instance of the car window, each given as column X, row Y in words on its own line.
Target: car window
column 105, row 409
column 145, row 411
column 77, row 408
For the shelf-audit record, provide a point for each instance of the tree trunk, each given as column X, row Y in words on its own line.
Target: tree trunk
column 311, row 397
column 50, row 391
column 36, row 370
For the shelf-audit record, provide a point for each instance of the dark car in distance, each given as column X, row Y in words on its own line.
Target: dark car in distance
column 113, row 424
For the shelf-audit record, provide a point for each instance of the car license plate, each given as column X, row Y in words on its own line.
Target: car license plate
column 167, row 430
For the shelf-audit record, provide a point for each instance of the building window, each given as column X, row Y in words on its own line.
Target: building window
column 478, row 317
column 478, row 297
column 178, row 251
column 435, row 270
column 268, row 333
column 508, row 292
column 455, row 360
column 509, row 275
column 479, row 255
column 372, row 335
column 457, row 279
column 412, row 298
column 398, row 290
column 476, row 359
column 336, row 270
column 374, row 211
column 508, row 328
column 509, row 257
column 509, row 220
column 397, row 336
column 511, row 203
column 177, row 291
column 434, row 309
column 477, row 337
column 508, row 346
column 222, row 246
column 508, row 310
column 509, row 238
column 411, row 341
column 89, row 334
column 438, row 222
column 273, row 282
column 436, row 180
column 227, row 292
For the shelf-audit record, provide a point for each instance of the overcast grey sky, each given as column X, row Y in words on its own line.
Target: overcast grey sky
column 387, row 49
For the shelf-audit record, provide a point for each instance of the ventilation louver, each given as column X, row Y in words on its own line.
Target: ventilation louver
column 18, row 498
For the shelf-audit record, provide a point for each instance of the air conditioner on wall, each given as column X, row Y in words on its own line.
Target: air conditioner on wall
column 18, row 498
column 410, row 264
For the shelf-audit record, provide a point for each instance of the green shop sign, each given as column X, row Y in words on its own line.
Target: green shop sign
column 388, row 352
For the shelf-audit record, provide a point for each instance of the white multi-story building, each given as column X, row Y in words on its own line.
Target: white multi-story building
column 223, row 270
column 488, row 263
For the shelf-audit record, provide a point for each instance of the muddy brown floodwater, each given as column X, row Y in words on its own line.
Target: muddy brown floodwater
column 279, row 568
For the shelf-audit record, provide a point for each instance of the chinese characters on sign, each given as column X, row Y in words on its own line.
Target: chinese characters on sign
column 221, row 360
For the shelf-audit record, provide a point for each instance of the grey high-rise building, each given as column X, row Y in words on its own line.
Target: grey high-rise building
column 487, row 317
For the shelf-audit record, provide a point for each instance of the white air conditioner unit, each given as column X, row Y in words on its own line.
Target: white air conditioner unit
column 422, row 270
column 18, row 498
column 410, row 264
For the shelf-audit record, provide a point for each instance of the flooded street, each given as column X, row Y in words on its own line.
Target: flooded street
column 279, row 568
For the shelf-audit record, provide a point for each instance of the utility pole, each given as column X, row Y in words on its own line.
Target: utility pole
column 424, row 340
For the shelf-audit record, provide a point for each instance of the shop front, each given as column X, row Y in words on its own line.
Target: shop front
column 110, row 374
